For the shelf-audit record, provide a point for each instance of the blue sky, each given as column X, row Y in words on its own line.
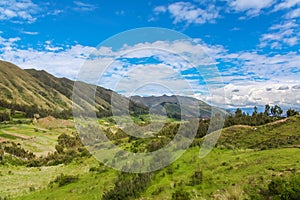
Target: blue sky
column 254, row 43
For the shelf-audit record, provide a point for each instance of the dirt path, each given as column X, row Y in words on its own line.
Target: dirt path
column 279, row 121
column 24, row 137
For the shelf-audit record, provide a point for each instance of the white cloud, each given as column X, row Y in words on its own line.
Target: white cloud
column 30, row 32
column 186, row 12
column 55, row 12
column 251, row 7
column 61, row 62
column 201, row 12
column 81, row 6
column 286, row 4
column 259, row 93
column 286, row 33
column 291, row 6
column 160, row 9
column 8, row 43
column 18, row 11
column 293, row 14
column 136, row 77
column 53, row 48
column 197, row 52
column 260, row 68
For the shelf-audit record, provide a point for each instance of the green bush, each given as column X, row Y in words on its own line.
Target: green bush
column 280, row 188
column 181, row 195
column 65, row 180
column 197, row 178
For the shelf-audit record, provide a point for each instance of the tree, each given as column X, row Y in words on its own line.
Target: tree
column 267, row 110
column 254, row 114
column 238, row 112
column 279, row 110
column 276, row 111
column 4, row 115
column 255, row 109
column 290, row 112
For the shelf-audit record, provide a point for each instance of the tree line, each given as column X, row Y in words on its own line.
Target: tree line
column 30, row 110
column 270, row 114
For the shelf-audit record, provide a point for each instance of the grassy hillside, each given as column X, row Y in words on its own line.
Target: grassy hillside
column 243, row 165
column 281, row 133
column 65, row 86
column 40, row 91
column 19, row 87
column 224, row 173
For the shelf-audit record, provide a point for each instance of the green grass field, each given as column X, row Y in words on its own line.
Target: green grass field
column 223, row 170
column 244, row 162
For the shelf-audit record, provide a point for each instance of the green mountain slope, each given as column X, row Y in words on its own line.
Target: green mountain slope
column 43, row 91
column 19, row 87
column 102, row 99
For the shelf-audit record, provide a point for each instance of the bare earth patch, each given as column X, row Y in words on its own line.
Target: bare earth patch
column 52, row 122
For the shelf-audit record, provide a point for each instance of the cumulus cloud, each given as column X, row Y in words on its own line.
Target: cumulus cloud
column 18, row 11
column 252, row 65
column 293, row 14
column 201, row 12
column 286, row 33
column 186, row 12
column 251, row 7
column 61, row 62
column 256, row 93
column 8, row 43
column 286, row 4
column 291, row 6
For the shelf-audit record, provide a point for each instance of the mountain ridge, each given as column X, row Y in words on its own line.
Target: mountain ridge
column 40, row 90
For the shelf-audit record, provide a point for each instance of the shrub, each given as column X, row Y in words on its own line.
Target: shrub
column 280, row 188
column 181, row 195
column 197, row 178
column 64, row 180
column 128, row 186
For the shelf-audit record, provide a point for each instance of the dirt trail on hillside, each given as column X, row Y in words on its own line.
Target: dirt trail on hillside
column 17, row 135
column 279, row 121
column 271, row 123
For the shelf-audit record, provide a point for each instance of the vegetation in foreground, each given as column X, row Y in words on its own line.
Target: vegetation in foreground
column 249, row 162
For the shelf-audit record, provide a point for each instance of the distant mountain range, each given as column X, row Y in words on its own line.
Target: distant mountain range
column 175, row 106
column 43, row 91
